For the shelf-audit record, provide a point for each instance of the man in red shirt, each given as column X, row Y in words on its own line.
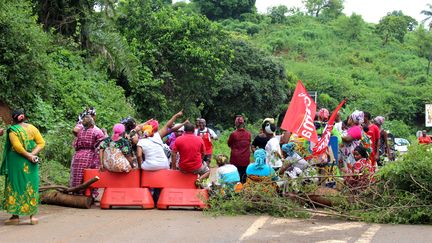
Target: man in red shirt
column 191, row 150
column 424, row 138
column 374, row 134
column 239, row 142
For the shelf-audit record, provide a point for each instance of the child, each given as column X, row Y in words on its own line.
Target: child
column 227, row 174
column 361, row 172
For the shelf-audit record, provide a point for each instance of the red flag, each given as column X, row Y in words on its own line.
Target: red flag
column 299, row 118
column 323, row 142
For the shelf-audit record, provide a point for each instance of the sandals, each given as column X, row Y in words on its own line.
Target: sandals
column 34, row 221
column 12, row 221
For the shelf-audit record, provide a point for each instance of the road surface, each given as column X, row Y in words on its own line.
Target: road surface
column 58, row 224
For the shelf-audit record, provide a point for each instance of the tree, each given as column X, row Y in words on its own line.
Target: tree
column 428, row 14
column 393, row 27
column 410, row 21
column 424, row 45
column 354, row 26
column 278, row 13
column 223, row 9
column 331, row 8
column 182, row 57
column 254, row 82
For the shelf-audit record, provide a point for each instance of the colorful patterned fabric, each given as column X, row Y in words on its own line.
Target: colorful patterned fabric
column 358, row 117
column 86, row 156
column 115, row 153
column 379, row 120
column 362, row 173
column 122, row 144
column 21, row 196
column 324, row 114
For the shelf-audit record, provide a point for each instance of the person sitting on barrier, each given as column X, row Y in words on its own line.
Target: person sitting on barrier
column 227, row 175
column 191, row 150
column 361, row 172
column 131, row 134
column 115, row 152
column 152, row 153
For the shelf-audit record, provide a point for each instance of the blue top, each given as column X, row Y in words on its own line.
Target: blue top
column 227, row 174
column 260, row 168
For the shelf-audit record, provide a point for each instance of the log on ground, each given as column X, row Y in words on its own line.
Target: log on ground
column 67, row 200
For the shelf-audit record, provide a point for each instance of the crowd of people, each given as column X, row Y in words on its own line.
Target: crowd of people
column 278, row 155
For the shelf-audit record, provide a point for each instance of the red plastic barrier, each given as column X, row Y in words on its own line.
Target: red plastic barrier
column 167, row 179
column 112, row 179
column 180, row 197
column 126, row 197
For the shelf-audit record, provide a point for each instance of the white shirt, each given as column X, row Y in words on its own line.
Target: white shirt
column 338, row 126
column 212, row 133
column 272, row 148
column 297, row 161
column 154, row 155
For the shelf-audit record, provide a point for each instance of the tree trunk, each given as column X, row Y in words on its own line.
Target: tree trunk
column 428, row 68
column 62, row 199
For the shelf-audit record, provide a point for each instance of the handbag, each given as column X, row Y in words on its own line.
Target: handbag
column 115, row 161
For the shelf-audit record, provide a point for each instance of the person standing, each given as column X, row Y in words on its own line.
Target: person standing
column 374, row 134
column 272, row 148
column 86, row 155
column 21, row 170
column 207, row 134
column 424, row 138
column 384, row 147
column 239, row 142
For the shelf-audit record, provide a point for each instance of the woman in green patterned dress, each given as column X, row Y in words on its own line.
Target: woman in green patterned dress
column 20, row 167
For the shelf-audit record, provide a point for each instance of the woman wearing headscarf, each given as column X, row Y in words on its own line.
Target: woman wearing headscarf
column 260, row 173
column 115, row 152
column 323, row 116
column 260, row 169
column 384, row 147
column 354, row 137
column 86, row 154
column 89, row 111
column 21, row 170
column 151, row 149
column 239, row 143
column 294, row 163
column 272, row 148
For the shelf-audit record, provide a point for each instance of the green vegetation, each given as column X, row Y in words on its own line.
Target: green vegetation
column 402, row 193
column 214, row 59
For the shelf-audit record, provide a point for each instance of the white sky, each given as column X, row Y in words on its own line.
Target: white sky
column 371, row 10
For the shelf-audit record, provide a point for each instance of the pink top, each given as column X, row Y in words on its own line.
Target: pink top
column 355, row 132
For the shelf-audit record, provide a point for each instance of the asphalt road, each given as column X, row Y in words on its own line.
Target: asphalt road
column 58, row 224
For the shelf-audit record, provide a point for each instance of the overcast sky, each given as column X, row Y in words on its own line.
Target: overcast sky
column 371, row 10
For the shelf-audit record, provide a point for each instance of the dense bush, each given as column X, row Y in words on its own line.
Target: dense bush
column 403, row 192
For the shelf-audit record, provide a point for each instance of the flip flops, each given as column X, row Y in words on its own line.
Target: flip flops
column 34, row 221
column 12, row 221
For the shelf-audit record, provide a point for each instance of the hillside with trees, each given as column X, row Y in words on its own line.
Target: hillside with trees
column 214, row 59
